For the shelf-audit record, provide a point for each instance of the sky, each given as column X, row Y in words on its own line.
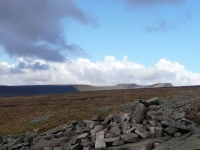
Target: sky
column 99, row 42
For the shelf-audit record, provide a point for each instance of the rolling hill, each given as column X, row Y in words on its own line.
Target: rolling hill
column 30, row 90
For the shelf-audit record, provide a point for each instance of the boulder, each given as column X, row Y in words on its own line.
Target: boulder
column 142, row 132
column 139, row 113
column 115, row 130
column 153, row 101
column 130, row 107
column 100, row 143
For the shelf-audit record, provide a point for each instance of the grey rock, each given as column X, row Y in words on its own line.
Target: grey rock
column 89, row 123
column 158, row 131
column 65, row 146
column 86, row 142
column 130, row 107
column 81, row 124
column 179, row 143
column 87, row 148
column 117, row 143
column 152, row 131
column 100, row 143
column 16, row 146
column 177, row 134
column 83, row 136
column 75, row 147
column 131, row 130
column 125, row 125
column 96, row 129
column 72, row 122
column 145, row 144
column 146, row 104
column 171, row 130
column 177, row 125
column 70, row 133
column 29, row 137
column 179, row 115
column 48, row 148
column 153, row 101
column 142, row 132
column 52, row 131
column 59, row 134
column 115, row 130
column 152, row 122
column 130, row 137
column 107, row 140
column 36, row 130
column 138, row 115
column 96, row 118
column 55, row 142
column 16, row 141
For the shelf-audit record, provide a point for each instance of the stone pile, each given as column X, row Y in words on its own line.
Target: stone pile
column 154, row 124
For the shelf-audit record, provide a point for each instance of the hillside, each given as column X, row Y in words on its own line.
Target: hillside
column 31, row 90
column 17, row 112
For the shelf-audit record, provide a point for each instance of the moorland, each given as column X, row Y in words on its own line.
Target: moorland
column 17, row 112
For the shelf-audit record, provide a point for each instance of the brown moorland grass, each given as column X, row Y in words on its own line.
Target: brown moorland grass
column 16, row 112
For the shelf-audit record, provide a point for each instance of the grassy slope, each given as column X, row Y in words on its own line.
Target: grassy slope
column 16, row 112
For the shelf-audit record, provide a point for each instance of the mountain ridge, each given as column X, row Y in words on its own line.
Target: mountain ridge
column 30, row 90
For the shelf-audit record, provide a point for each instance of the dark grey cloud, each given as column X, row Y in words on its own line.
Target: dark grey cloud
column 136, row 3
column 23, row 24
column 36, row 66
column 20, row 66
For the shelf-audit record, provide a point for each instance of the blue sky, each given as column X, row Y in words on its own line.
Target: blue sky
column 100, row 42
column 123, row 31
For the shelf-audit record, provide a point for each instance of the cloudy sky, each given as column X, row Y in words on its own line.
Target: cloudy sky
column 99, row 42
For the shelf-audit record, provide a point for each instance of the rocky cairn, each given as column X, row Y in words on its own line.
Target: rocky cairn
column 154, row 124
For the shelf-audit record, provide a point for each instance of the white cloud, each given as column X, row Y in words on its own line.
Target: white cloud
column 110, row 71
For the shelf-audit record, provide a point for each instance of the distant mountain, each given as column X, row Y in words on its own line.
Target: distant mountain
column 31, row 90
column 119, row 86
column 8, row 91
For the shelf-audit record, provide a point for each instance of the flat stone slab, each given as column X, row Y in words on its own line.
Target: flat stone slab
column 83, row 136
column 112, row 139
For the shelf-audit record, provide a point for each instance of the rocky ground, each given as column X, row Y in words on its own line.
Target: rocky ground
column 144, row 125
column 167, row 122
